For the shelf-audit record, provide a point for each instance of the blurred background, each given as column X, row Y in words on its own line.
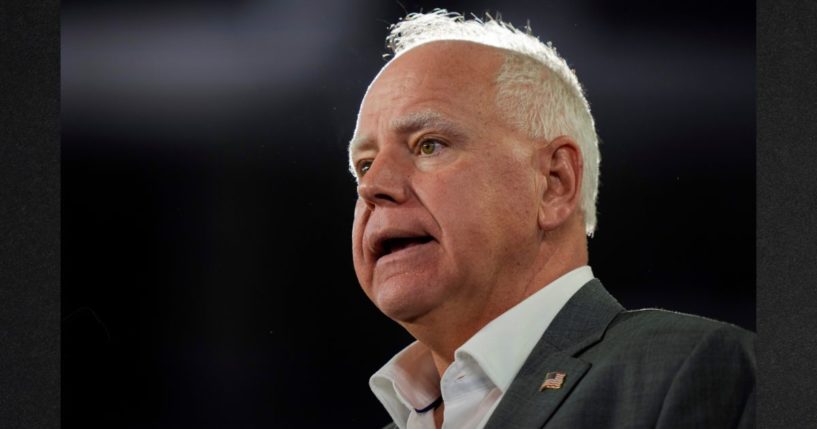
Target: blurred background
column 207, row 207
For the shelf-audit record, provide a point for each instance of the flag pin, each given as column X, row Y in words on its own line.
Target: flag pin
column 553, row 380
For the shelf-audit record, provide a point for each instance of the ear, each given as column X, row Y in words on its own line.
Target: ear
column 561, row 167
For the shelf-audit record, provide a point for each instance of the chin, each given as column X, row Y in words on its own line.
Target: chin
column 406, row 298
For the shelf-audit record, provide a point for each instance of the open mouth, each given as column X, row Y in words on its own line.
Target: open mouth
column 392, row 245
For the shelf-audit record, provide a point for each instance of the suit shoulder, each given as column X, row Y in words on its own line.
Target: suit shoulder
column 675, row 333
column 665, row 322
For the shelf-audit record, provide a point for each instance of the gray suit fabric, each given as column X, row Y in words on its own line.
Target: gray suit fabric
column 632, row 369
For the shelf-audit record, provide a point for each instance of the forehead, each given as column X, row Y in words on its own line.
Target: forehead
column 451, row 63
column 455, row 80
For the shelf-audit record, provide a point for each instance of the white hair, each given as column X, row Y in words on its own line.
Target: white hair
column 536, row 103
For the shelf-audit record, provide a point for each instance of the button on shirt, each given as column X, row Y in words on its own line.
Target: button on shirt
column 483, row 367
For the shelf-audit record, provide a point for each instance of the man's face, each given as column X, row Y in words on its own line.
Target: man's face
column 448, row 197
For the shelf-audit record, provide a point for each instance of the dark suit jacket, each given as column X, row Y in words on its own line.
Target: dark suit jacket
column 632, row 369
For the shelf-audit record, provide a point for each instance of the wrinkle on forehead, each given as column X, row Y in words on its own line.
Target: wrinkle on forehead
column 425, row 119
column 412, row 122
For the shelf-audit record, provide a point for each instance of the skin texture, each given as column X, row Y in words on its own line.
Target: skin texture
column 501, row 210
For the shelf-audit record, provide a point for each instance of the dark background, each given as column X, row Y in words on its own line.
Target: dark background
column 207, row 277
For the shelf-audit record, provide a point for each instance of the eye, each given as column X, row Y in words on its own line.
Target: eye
column 364, row 166
column 428, row 147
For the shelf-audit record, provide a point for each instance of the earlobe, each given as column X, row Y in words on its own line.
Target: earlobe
column 561, row 170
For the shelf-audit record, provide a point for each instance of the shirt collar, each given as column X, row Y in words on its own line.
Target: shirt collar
column 410, row 380
column 517, row 331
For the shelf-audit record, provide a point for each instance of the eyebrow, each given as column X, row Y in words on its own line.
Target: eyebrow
column 410, row 123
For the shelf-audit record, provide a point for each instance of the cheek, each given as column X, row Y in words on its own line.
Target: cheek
column 489, row 201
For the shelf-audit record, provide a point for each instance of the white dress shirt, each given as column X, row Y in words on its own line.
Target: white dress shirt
column 483, row 367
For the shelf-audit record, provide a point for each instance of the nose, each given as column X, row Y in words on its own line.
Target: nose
column 385, row 183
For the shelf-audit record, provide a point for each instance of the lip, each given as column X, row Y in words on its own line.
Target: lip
column 406, row 251
column 388, row 242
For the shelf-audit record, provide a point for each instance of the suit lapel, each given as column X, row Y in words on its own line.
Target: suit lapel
column 580, row 324
column 525, row 404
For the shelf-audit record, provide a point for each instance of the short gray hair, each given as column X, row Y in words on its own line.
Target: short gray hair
column 534, row 102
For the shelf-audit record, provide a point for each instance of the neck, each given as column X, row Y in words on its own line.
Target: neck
column 450, row 326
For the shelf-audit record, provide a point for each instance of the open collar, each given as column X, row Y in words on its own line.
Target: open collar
column 580, row 324
column 410, row 380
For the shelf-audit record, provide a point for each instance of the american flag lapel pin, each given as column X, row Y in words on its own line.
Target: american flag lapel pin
column 553, row 380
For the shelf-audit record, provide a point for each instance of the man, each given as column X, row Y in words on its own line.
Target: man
column 477, row 167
